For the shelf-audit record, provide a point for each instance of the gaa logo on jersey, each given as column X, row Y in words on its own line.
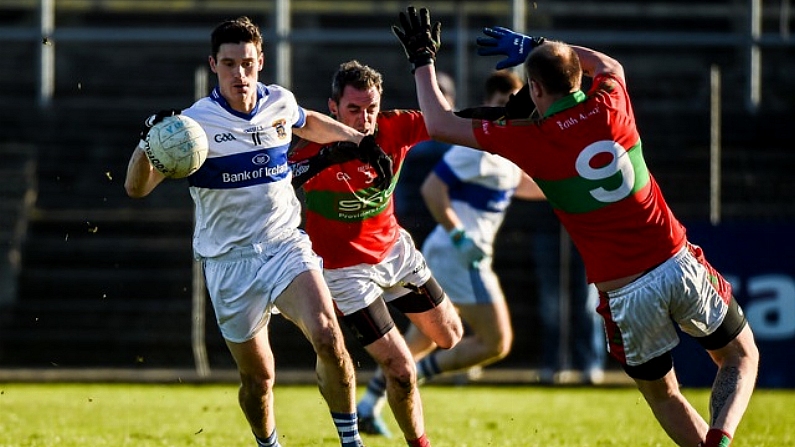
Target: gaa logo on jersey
column 280, row 130
column 260, row 159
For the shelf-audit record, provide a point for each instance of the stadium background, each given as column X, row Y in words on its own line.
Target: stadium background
column 91, row 280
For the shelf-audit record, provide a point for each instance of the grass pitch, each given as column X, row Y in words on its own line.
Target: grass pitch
column 96, row 415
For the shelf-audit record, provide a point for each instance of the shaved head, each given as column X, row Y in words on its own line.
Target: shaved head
column 556, row 66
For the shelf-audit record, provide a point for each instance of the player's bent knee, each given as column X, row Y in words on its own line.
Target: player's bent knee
column 401, row 373
column 654, row 369
column 420, row 299
column 502, row 341
column 501, row 349
column 371, row 323
column 733, row 323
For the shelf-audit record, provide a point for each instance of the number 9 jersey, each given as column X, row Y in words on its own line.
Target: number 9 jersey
column 586, row 156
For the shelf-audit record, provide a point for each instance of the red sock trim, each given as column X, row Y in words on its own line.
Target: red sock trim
column 422, row 441
column 717, row 438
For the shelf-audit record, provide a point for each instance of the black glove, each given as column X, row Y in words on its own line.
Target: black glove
column 333, row 154
column 367, row 151
column 419, row 38
column 482, row 113
column 372, row 153
column 154, row 119
column 339, row 152
column 519, row 106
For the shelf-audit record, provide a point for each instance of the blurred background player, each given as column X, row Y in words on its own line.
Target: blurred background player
column 368, row 259
column 254, row 257
column 467, row 193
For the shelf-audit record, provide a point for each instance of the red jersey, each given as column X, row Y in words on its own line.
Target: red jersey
column 348, row 220
column 586, row 156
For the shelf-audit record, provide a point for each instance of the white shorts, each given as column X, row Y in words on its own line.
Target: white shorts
column 640, row 317
column 462, row 284
column 244, row 283
column 356, row 287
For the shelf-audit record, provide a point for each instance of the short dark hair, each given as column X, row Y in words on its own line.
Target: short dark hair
column 503, row 81
column 556, row 66
column 358, row 76
column 239, row 30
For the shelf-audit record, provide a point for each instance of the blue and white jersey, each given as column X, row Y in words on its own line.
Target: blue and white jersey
column 481, row 186
column 242, row 192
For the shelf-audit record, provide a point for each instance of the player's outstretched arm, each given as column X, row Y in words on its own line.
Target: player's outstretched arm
column 324, row 129
column 594, row 63
column 332, row 154
column 421, row 40
column 436, row 195
column 367, row 151
column 142, row 177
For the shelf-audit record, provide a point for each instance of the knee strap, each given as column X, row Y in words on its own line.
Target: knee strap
column 654, row 369
column 733, row 323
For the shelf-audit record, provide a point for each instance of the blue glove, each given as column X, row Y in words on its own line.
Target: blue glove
column 470, row 252
column 516, row 46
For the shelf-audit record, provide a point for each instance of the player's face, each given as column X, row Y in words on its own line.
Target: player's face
column 237, row 66
column 357, row 108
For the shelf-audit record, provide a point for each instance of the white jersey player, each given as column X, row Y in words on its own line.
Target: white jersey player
column 479, row 187
column 255, row 257
column 242, row 191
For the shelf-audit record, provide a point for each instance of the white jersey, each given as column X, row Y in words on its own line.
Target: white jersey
column 481, row 186
column 242, row 192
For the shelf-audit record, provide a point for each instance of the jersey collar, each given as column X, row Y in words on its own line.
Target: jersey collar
column 566, row 102
column 216, row 96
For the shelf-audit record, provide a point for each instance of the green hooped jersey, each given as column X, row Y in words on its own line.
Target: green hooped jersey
column 587, row 157
column 348, row 220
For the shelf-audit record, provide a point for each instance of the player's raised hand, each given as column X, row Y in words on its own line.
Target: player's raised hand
column 500, row 40
column 420, row 39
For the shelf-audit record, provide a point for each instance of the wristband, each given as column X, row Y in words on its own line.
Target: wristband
column 421, row 62
column 457, row 234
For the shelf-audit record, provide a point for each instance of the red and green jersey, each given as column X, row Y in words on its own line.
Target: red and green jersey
column 586, row 156
column 348, row 220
